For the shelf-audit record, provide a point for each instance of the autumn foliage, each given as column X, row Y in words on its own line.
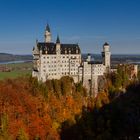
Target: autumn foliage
column 60, row 109
column 33, row 110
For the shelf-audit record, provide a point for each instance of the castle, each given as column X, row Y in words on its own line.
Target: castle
column 54, row 60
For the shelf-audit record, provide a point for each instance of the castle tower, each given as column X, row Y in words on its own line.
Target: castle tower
column 88, row 57
column 47, row 34
column 106, row 56
column 58, row 45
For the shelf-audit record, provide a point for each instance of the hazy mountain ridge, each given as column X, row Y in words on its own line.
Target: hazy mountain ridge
column 4, row 57
column 116, row 58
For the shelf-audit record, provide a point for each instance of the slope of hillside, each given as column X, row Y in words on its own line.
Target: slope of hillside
column 118, row 120
column 35, row 111
column 61, row 109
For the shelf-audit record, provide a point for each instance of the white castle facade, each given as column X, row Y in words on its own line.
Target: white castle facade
column 55, row 60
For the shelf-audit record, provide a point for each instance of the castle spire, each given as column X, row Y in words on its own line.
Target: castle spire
column 58, row 40
column 48, row 28
column 47, row 34
column 106, row 44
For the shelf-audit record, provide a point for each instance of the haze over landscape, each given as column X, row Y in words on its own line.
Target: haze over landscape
column 89, row 23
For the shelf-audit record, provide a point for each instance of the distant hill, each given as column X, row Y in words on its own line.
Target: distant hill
column 4, row 57
column 116, row 58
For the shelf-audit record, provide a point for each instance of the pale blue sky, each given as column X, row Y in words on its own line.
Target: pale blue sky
column 87, row 22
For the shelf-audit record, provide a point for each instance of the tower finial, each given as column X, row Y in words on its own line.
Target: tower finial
column 36, row 41
column 48, row 28
column 106, row 44
column 58, row 40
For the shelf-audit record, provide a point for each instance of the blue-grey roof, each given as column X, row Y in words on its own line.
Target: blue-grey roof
column 48, row 28
column 64, row 48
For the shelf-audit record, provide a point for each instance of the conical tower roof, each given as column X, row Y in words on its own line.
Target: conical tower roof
column 57, row 40
column 48, row 28
column 106, row 44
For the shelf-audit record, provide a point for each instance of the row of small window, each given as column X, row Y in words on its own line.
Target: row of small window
column 74, row 61
column 74, row 73
column 99, row 69
column 53, row 66
column 87, row 73
column 60, row 61
column 87, row 70
column 54, row 57
column 66, row 73
column 100, row 73
column 49, row 57
column 51, row 70
column 63, row 73
column 99, row 65
column 55, row 62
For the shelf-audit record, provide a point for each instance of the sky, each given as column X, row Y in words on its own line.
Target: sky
column 90, row 23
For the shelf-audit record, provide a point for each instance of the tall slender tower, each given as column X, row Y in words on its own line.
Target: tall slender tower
column 47, row 34
column 58, row 46
column 106, row 56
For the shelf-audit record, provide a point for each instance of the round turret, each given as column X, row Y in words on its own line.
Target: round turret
column 106, row 47
column 106, row 55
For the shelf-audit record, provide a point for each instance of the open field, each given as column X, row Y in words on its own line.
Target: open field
column 13, row 74
column 16, row 70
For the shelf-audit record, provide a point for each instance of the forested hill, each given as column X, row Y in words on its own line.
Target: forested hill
column 118, row 120
column 4, row 57
column 62, row 109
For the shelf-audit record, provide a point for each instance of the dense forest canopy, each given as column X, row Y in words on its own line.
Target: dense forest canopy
column 61, row 109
